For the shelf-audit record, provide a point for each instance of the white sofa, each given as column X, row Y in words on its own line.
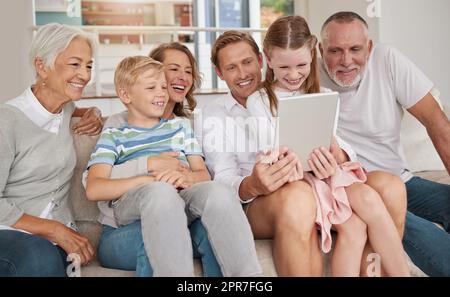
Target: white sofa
column 86, row 212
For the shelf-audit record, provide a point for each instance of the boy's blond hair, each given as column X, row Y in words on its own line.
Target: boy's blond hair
column 129, row 69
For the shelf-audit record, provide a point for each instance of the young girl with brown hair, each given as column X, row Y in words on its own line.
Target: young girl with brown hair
column 345, row 202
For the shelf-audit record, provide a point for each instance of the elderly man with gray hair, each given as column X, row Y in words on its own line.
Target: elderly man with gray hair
column 37, row 230
column 376, row 82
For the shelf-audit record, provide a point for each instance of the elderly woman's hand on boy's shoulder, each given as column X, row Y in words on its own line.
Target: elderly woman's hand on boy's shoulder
column 91, row 122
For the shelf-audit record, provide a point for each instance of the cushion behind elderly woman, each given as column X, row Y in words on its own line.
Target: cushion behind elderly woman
column 37, row 230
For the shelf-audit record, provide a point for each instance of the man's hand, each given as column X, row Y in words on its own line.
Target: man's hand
column 90, row 124
column 166, row 161
column 267, row 178
column 339, row 154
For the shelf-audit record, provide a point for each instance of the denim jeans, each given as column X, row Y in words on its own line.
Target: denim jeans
column 427, row 245
column 24, row 255
column 165, row 215
column 123, row 248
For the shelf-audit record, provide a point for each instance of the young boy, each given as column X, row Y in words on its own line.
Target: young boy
column 164, row 211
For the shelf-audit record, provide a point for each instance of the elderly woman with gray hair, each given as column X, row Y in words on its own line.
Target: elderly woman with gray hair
column 37, row 231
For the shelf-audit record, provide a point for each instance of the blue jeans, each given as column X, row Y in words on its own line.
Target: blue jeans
column 427, row 245
column 123, row 248
column 22, row 254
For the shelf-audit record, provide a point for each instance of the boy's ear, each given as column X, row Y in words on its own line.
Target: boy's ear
column 124, row 95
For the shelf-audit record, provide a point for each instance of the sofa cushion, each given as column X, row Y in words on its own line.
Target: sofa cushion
column 94, row 269
column 419, row 150
column 263, row 249
column 84, row 210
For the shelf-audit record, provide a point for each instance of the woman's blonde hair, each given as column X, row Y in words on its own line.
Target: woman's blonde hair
column 158, row 54
column 290, row 32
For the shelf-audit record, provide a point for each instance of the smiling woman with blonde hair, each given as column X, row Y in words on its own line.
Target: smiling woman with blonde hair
column 37, row 230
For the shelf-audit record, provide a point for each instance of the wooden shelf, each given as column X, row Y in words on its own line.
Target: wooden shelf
column 135, row 13
column 51, row 6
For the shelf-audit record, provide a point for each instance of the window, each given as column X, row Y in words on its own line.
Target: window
column 120, row 41
column 273, row 9
column 51, row 5
column 58, row 11
column 137, row 13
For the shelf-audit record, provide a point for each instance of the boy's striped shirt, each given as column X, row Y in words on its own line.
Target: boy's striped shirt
column 118, row 145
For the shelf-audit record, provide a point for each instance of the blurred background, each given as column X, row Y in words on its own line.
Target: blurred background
column 128, row 27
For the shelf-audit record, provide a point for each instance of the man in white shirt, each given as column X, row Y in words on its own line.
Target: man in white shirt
column 279, row 210
column 375, row 83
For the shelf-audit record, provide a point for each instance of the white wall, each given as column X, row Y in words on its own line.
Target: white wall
column 16, row 18
column 419, row 29
column 317, row 11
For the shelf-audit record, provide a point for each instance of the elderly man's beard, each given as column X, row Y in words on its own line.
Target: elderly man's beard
column 333, row 75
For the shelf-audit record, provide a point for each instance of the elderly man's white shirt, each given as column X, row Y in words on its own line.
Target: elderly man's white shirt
column 370, row 114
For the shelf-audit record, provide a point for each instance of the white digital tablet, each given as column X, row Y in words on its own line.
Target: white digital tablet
column 307, row 122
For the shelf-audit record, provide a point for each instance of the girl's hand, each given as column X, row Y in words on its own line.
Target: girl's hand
column 91, row 122
column 166, row 161
column 322, row 163
column 339, row 154
column 176, row 178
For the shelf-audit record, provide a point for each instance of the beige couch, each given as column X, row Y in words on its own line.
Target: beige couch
column 86, row 216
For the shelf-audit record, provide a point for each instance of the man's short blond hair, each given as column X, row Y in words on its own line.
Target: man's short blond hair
column 131, row 68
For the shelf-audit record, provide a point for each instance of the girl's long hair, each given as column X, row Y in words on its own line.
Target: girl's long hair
column 290, row 32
